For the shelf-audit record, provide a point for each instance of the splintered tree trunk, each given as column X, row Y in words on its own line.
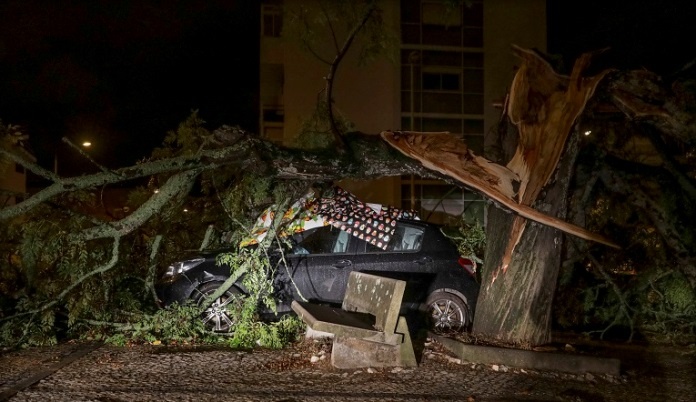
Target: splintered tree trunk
column 515, row 306
column 522, row 257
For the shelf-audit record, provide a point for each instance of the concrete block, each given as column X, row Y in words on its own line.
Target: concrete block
column 314, row 334
column 351, row 353
column 566, row 362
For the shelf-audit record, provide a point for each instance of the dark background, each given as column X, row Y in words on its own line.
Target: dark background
column 123, row 73
column 656, row 35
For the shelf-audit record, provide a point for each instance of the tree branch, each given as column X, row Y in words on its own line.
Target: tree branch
column 449, row 155
column 86, row 156
column 28, row 165
column 209, row 160
column 666, row 225
column 100, row 270
column 176, row 186
column 151, row 271
column 304, row 19
column 332, row 73
column 328, row 21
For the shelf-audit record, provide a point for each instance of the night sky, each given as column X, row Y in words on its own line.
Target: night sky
column 655, row 35
column 122, row 73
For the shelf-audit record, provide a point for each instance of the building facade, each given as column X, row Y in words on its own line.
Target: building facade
column 13, row 180
column 454, row 64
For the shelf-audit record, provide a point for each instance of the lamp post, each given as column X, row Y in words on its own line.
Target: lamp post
column 85, row 144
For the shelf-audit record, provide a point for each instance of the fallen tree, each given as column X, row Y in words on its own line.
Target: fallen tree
column 537, row 181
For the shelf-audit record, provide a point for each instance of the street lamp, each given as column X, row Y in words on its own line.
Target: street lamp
column 85, row 144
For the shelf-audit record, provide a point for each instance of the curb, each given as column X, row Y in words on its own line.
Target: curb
column 568, row 363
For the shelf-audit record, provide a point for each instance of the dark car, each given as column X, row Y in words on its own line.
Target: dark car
column 439, row 282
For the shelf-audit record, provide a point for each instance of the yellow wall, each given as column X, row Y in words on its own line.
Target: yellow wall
column 507, row 22
column 367, row 95
column 370, row 96
column 380, row 191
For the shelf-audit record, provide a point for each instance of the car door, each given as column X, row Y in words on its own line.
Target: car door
column 321, row 264
column 403, row 259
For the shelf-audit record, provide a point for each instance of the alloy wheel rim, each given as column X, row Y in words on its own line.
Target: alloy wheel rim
column 447, row 315
column 216, row 316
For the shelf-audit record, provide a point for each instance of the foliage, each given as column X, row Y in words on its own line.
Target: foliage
column 188, row 139
column 315, row 132
column 357, row 27
column 43, row 259
column 470, row 239
column 270, row 335
column 40, row 256
column 245, row 200
column 255, row 266
column 39, row 331
column 173, row 325
column 592, row 290
column 662, row 305
column 668, row 307
column 311, row 26
column 652, row 277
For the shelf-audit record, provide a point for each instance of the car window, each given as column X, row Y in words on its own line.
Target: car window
column 341, row 244
column 405, row 238
column 324, row 240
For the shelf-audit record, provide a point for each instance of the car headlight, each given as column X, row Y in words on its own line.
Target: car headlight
column 182, row 266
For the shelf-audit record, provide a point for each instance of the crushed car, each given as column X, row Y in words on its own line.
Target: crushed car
column 330, row 238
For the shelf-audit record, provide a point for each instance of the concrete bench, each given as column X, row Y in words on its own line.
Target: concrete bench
column 367, row 329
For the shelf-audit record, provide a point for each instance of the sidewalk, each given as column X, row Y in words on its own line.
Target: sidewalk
column 159, row 373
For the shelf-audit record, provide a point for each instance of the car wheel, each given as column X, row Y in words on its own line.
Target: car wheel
column 446, row 312
column 218, row 315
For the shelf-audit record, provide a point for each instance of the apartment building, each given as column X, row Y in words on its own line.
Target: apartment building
column 454, row 65
column 13, row 180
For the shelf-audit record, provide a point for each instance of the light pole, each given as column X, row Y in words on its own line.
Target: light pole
column 85, row 144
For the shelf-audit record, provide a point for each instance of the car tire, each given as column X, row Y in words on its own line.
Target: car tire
column 446, row 312
column 218, row 317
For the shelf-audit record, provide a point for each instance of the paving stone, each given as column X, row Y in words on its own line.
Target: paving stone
column 143, row 373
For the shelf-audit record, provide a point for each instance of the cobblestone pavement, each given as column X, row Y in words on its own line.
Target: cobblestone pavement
column 159, row 373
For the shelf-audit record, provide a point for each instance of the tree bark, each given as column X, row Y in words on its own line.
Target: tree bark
column 523, row 259
column 515, row 306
